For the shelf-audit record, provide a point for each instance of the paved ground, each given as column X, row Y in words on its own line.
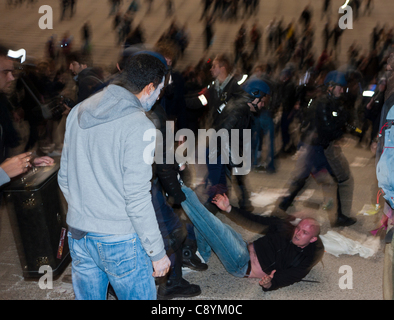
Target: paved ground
column 19, row 27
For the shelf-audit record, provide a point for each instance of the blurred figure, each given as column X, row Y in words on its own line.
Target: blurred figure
column 68, row 5
column 262, row 123
column 73, row 4
column 115, row 4
column 207, row 6
column 135, row 37
column 287, row 91
column 86, row 32
column 209, row 32
column 239, row 43
column 51, row 48
column 306, row 16
column 331, row 117
column 326, row 8
column 11, row 167
column 255, row 37
column 66, row 45
column 133, row 7
column 86, row 77
column 372, row 112
column 369, row 7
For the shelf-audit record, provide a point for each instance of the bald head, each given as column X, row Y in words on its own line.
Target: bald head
column 306, row 232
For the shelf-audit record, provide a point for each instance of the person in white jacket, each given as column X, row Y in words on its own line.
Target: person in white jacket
column 105, row 175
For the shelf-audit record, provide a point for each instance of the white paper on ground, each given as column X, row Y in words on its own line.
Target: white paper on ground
column 337, row 244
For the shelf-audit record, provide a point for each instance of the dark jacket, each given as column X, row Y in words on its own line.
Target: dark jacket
column 236, row 115
column 167, row 173
column 331, row 119
column 9, row 137
column 215, row 98
column 288, row 95
column 88, row 79
column 275, row 251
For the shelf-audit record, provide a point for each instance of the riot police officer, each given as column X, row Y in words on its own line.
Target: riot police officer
column 331, row 119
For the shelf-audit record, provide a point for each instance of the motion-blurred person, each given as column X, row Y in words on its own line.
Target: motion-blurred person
column 86, row 76
column 236, row 116
column 9, row 138
column 331, row 120
column 287, row 90
column 263, row 124
column 209, row 32
column 372, row 112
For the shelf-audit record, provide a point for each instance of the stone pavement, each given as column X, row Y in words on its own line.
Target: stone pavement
column 19, row 28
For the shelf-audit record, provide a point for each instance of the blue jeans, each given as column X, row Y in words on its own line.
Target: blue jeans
column 311, row 161
column 100, row 259
column 216, row 176
column 263, row 124
column 268, row 126
column 213, row 234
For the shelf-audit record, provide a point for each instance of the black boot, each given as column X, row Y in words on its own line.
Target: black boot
column 177, row 289
column 111, row 295
column 189, row 257
column 344, row 221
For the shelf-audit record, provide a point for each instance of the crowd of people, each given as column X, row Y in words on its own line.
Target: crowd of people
column 124, row 208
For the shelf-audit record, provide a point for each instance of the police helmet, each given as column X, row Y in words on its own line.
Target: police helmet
column 256, row 88
column 336, row 77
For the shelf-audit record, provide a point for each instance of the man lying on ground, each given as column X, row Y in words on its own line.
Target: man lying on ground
column 283, row 256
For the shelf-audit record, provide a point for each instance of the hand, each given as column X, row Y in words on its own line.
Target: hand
column 43, row 161
column 222, row 202
column 265, row 281
column 161, row 267
column 67, row 109
column 374, row 147
column 17, row 165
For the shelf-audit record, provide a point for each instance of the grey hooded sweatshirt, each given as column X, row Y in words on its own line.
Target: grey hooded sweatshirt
column 106, row 168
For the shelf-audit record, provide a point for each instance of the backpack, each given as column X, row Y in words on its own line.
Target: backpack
column 385, row 152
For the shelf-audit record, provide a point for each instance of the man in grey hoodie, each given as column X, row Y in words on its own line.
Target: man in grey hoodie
column 105, row 173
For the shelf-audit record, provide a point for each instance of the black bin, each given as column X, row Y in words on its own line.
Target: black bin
column 37, row 211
